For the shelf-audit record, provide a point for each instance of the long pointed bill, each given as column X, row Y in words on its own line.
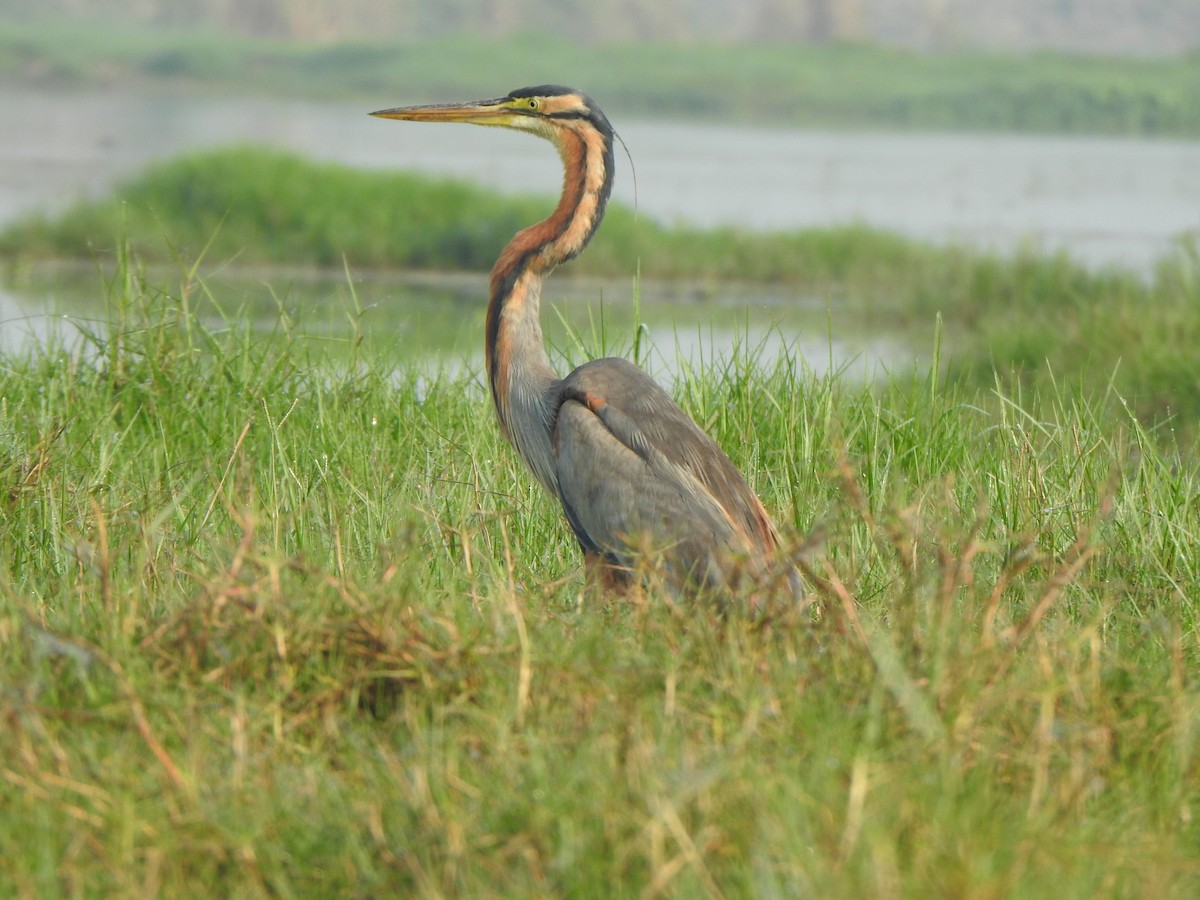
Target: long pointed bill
column 479, row 112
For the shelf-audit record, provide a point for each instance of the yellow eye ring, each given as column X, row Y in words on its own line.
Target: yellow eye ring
column 533, row 103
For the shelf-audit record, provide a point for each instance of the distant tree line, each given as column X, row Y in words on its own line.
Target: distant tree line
column 1152, row 27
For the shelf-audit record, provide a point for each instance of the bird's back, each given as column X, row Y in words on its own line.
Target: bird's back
column 637, row 476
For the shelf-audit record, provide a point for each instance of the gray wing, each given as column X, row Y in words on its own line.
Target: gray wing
column 636, row 473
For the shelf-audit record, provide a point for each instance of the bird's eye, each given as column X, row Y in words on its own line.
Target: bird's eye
column 533, row 103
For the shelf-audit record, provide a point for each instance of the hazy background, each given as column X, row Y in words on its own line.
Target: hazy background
column 1058, row 122
column 1143, row 27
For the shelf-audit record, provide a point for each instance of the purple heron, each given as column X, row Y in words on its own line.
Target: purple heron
column 644, row 489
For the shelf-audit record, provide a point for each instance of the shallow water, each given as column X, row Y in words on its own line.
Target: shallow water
column 438, row 321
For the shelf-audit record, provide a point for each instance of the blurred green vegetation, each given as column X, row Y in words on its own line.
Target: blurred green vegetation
column 836, row 85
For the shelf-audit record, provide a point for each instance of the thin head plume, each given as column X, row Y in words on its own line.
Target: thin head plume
column 632, row 169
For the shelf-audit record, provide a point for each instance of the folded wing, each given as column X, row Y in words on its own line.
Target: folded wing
column 636, row 475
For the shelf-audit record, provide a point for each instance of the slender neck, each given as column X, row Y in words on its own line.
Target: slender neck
column 519, row 371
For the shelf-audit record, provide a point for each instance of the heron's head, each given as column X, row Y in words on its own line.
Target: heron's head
column 546, row 110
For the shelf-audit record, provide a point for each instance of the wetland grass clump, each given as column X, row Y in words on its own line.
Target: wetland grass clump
column 261, row 206
column 280, row 621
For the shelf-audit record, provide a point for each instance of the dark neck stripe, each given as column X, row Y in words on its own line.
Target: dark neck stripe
column 503, row 289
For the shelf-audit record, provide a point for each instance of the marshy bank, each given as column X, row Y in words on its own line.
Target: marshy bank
column 838, row 294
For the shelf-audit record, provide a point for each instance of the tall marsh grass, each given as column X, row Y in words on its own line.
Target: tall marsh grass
column 276, row 622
